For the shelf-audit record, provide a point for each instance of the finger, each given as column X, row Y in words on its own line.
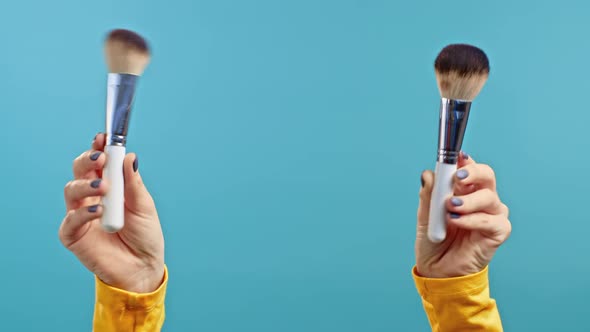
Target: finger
column 76, row 223
column 137, row 197
column 483, row 200
column 474, row 175
column 425, row 194
column 87, row 162
column 464, row 160
column 99, row 142
column 493, row 225
column 77, row 190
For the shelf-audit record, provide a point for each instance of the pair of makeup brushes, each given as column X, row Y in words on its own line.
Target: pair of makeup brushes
column 461, row 72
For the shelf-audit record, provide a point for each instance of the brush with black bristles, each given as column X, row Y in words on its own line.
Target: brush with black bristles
column 127, row 54
column 461, row 71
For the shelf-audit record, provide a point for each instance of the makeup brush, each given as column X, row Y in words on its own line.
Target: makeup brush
column 127, row 54
column 461, row 71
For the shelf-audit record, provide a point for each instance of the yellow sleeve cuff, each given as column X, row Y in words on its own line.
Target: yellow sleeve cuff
column 451, row 287
column 112, row 297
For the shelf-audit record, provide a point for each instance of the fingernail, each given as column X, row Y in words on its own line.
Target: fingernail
column 462, row 174
column 96, row 183
column 95, row 155
column 135, row 165
column 465, row 155
column 456, row 201
column 93, row 208
column 422, row 180
column 455, row 216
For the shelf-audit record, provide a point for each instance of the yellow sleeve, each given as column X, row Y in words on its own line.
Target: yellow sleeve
column 459, row 304
column 118, row 310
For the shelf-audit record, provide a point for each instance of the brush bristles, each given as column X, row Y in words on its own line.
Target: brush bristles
column 126, row 52
column 461, row 71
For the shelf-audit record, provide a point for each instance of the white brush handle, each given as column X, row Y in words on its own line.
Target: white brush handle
column 442, row 190
column 113, row 217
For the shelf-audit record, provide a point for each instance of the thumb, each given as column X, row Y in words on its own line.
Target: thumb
column 425, row 193
column 137, row 198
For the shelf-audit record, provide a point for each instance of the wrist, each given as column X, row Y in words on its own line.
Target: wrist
column 147, row 280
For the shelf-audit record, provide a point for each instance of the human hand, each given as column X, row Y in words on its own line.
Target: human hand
column 477, row 223
column 131, row 259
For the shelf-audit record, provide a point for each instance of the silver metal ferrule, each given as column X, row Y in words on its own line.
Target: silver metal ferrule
column 120, row 92
column 452, row 124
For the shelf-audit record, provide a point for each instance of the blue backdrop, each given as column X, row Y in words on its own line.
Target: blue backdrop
column 283, row 143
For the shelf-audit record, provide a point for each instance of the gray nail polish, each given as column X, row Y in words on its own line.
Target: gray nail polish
column 422, row 180
column 96, row 183
column 93, row 208
column 135, row 164
column 456, row 201
column 462, row 174
column 95, row 155
column 455, row 216
column 465, row 156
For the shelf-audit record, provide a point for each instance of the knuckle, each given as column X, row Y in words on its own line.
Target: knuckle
column 497, row 204
column 487, row 173
column 489, row 194
column 69, row 216
column 491, row 174
column 79, row 158
column 78, row 161
column 507, row 230
column 493, row 199
column 487, row 169
column 67, row 220
column 506, row 210
column 62, row 231
column 68, row 187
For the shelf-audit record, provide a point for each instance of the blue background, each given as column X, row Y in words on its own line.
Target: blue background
column 283, row 143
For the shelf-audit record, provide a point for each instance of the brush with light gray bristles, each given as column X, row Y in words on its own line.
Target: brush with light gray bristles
column 127, row 54
column 461, row 72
